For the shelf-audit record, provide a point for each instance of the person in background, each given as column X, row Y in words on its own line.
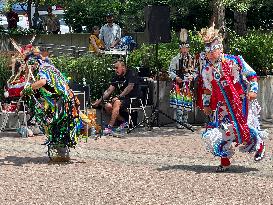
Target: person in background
column 37, row 22
column 51, row 22
column 95, row 43
column 110, row 33
column 12, row 18
column 127, row 42
column 181, row 71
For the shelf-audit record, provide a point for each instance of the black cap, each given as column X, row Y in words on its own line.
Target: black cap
column 109, row 15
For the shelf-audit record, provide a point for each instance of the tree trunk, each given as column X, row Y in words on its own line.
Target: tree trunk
column 29, row 2
column 240, row 22
column 218, row 16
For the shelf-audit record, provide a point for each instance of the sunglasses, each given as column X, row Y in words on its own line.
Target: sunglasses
column 184, row 45
column 212, row 48
column 115, row 67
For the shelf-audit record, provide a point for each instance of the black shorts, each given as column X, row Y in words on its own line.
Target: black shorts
column 125, row 103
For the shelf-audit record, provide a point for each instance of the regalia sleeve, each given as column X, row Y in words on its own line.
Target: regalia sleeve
column 207, row 85
column 249, row 74
column 172, row 68
column 247, row 71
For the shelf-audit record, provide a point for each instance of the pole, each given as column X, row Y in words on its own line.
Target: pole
column 157, row 85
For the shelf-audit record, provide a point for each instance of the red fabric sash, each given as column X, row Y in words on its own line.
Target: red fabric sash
column 234, row 101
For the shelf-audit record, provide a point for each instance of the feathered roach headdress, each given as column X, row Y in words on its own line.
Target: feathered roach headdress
column 210, row 34
column 184, row 40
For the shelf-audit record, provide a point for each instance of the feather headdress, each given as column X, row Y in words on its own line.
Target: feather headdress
column 184, row 38
column 16, row 45
column 210, row 34
column 183, row 35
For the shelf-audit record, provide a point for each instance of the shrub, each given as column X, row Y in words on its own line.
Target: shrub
column 97, row 70
column 256, row 48
column 5, row 71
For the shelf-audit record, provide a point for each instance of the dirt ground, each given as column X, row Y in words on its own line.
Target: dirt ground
column 162, row 166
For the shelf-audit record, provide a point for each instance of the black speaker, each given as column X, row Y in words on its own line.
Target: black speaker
column 157, row 21
column 82, row 88
column 80, row 96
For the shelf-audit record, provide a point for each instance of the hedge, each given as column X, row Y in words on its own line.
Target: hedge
column 256, row 48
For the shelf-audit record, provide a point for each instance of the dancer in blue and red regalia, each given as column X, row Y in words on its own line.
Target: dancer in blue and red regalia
column 229, row 97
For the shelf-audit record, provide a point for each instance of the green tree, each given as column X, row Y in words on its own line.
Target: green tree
column 250, row 13
column 190, row 14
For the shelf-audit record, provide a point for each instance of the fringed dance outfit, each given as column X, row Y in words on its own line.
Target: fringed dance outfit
column 234, row 118
column 181, row 72
column 54, row 107
column 181, row 96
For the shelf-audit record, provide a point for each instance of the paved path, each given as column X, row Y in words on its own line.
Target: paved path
column 163, row 166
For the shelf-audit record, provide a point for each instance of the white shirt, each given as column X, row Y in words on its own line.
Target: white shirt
column 110, row 34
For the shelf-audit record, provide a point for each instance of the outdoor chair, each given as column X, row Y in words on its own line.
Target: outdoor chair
column 137, row 105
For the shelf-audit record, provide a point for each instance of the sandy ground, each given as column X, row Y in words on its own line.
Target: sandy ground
column 162, row 166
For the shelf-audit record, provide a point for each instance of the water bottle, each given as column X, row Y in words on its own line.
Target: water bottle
column 93, row 132
column 24, row 132
column 123, row 127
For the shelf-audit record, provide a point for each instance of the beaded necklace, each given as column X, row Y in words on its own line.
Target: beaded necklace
column 217, row 68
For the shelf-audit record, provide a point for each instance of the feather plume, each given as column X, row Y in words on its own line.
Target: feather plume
column 183, row 35
column 15, row 44
column 210, row 34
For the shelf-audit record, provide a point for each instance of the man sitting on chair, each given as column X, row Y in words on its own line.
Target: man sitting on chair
column 126, row 82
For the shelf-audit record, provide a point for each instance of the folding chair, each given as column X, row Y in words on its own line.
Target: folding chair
column 139, row 104
column 11, row 113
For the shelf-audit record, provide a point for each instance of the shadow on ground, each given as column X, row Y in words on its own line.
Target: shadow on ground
column 207, row 169
column 10, row 134
column 163, row 132
column 20, row 161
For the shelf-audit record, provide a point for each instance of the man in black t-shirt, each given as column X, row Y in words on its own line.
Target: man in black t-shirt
column 126, row 82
